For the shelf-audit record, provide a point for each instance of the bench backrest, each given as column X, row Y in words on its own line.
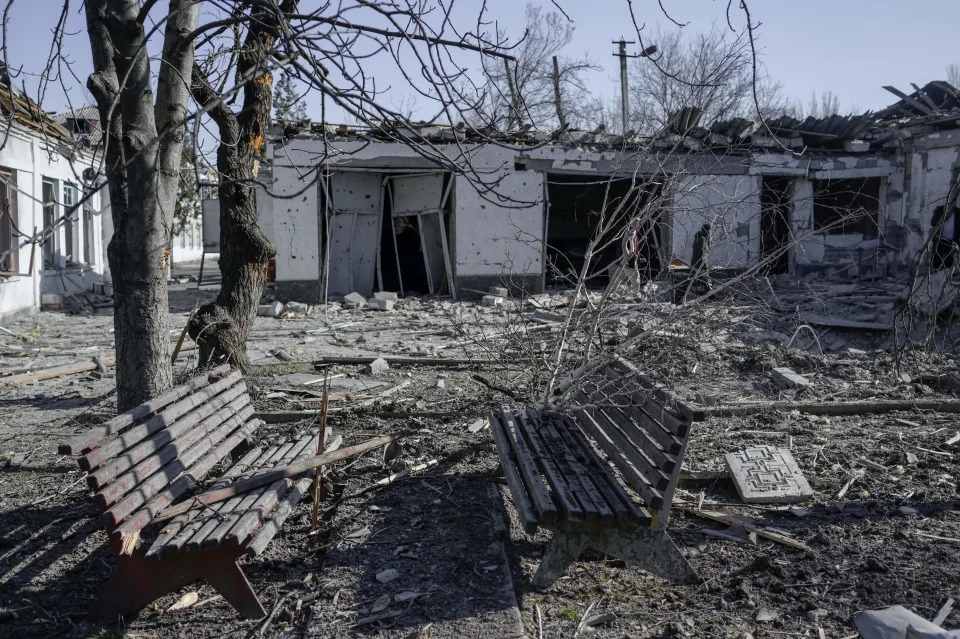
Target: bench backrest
column 140, row 461
column 642, row 429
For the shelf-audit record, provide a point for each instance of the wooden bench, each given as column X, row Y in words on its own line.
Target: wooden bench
column 602, row 476
column 140, row 462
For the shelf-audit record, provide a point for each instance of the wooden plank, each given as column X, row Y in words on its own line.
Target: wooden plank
column 659, row 433
column 620, row 367
column 186, row 481
column 171, row 441
column 521, row 499
column 272, row 526
column 87, row 440
column 656, row 477
column 548, row 466
column 594, row 505
column 202, row 403
column 55, row 371
column 650, row 495
column 171, row 530
column 261, row 509
column 209, row 535
column 537, row 488
column 148, row 479
column 642, row 439
column 590, row 471
column 605, row 468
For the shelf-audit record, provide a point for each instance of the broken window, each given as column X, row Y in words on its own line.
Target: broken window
column 8, row 221
column 70, row 225
column 89, row 237
column 49, row 218
column 846, row 206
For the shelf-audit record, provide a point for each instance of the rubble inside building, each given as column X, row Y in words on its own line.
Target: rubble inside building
column 425, row 304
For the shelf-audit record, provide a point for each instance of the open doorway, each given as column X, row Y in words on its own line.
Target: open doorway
column 575, row 206
column 775, row 224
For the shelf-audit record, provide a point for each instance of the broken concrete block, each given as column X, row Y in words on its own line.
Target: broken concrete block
column 499, row 291
column 296, row 307
column 895, row 622
column 378, row 365
column 491, row 300
column 386, row 295
column 380, row 305
column 354, row 300
column 786, row 378
column 270, row 310
column 767, row 475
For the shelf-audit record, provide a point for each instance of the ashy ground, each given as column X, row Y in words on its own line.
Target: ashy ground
column 463, row 565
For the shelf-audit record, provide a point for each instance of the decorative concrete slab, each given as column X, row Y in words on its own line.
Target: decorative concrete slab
column 767, row 475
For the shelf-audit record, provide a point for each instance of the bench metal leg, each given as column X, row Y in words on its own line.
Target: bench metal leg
column 649, row 550
column 138, row 581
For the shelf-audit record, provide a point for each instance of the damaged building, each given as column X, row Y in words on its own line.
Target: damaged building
column 856, row 194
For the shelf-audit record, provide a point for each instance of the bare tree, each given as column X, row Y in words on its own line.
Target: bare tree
column 711, row 71
column 143, row 138
column 820, row 105
column 540, row 86
column 953, row 74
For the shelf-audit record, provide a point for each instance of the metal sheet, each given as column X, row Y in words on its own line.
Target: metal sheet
column 416, row 194
column 357, row 207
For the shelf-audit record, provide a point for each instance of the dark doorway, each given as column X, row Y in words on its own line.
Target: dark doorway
column 775, row 224
column 576, row 202
column 407, row 254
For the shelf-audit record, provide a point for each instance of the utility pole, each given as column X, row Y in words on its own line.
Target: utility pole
column 624, row 97
column 624, row 88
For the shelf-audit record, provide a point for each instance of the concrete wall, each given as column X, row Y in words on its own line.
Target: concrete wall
column 730, row 204
column 296, row 233
column 35, row 159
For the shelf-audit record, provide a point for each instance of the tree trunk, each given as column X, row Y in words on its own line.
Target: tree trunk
column 221, row 328
column 138, row 172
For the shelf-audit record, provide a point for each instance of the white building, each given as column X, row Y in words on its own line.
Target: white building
column 857, row 194
column 44, row 186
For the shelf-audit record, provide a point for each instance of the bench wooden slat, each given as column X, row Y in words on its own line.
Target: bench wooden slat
column 650, row 495
column 227, row 515
column 536, row 488
column 521, row 499
column 659, row 433
column 583, row 506
column 620, row 368
column 573, row 469
column 658, row 413
column 186, row 481
column 261, row 509
column 637, row 512
column 207, row 516
column 546, row 465
column 196, row 406
column 177, row 524
column 169, row 442
column 590, row 469
column 117, row 496
column 642, row 440
column 272, row 526
column 89, row 439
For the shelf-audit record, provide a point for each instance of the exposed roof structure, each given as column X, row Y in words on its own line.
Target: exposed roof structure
column 29, row 114
column 937, row 104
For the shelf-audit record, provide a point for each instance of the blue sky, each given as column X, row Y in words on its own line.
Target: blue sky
column 850, row 47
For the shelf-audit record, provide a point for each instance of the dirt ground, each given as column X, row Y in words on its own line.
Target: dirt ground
column 449, row 530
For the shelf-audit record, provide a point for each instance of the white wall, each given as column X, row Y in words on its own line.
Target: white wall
column 500, row 232
column 296, row 224
column 730, row 204
column 187, row 245
column 34, row 159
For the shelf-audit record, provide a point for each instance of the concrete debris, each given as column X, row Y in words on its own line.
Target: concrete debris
column 767, row 475
column 386, row 295
column 270, row 310
column 786, row 378
column 51, row 301
column 478, row 425
column 354, row 300
column 896, row 622
column 296, row 307
column 388, row 575
column 498, row 291
column 380, row 304
column 378, row 365
column 441, row 383
column 491, row 300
